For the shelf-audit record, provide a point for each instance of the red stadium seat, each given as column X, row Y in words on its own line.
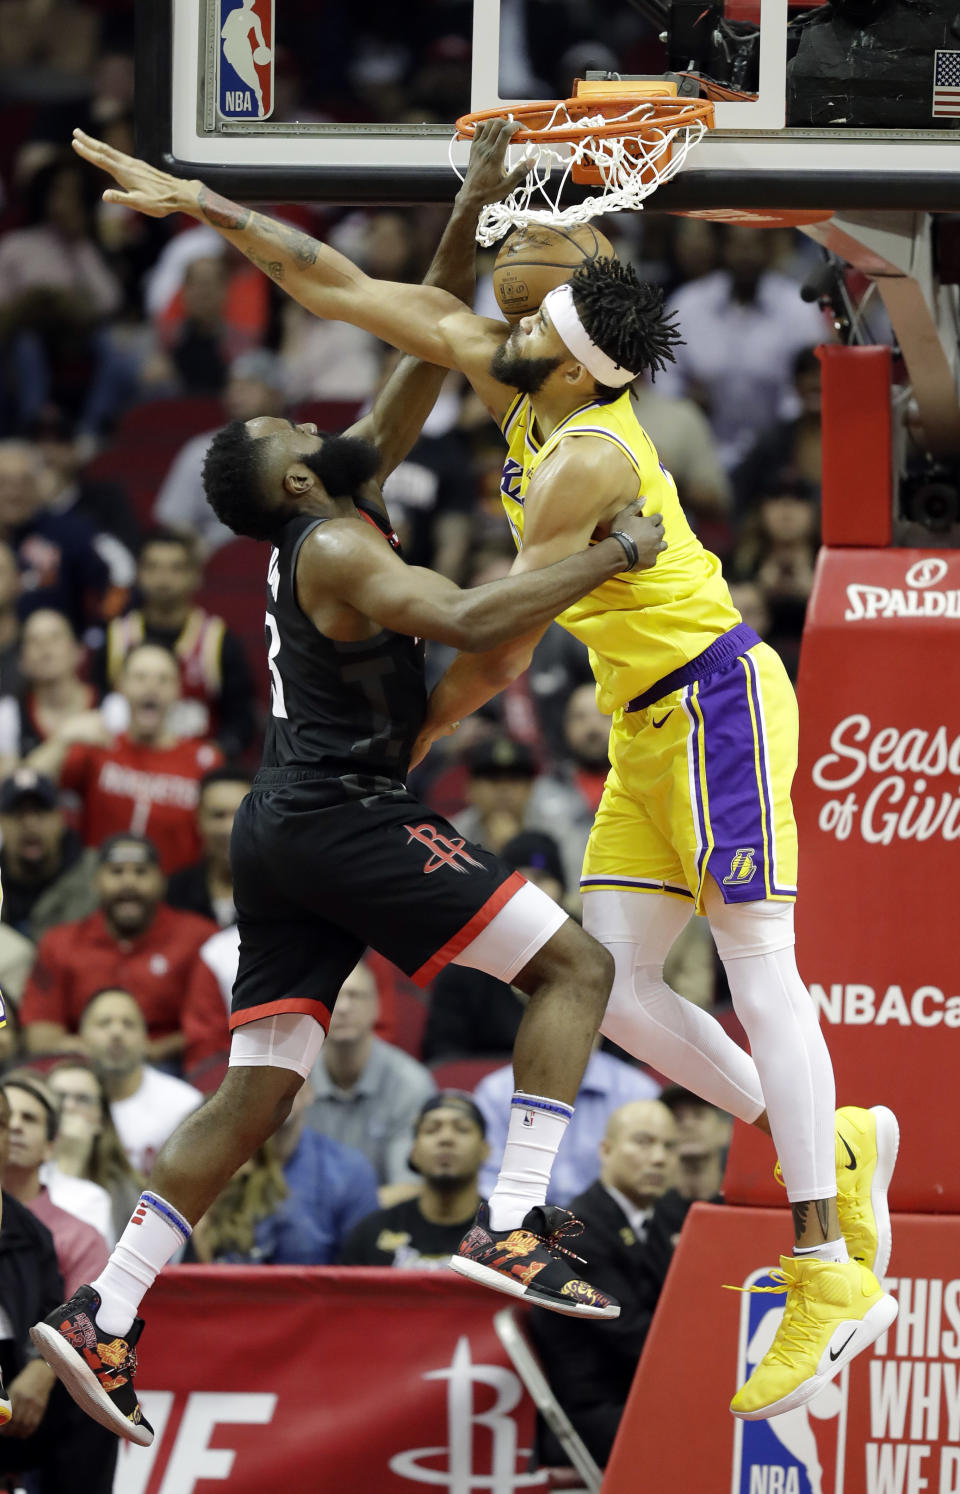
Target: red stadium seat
column 208, row 1075
column 464, row 1073
column 146, row 441
column 328, row 414
column 233, row 588
column 170, row 421
column 409, row 1016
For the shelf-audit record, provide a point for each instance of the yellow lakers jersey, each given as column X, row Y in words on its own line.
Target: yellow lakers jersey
column 642, row 625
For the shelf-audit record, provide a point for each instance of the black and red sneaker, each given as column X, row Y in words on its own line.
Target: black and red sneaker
column 97, row 1371
column 529, row 1262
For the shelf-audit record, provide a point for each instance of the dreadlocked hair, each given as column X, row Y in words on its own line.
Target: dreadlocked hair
column 233, row 484
column 624, row 316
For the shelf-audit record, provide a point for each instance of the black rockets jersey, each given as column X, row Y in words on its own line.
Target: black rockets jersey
column 337, row 709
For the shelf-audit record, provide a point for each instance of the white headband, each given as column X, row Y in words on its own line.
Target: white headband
column 563, row 313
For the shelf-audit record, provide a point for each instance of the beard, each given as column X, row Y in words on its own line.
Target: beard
column 447, row 1182
column 128, row 915
column 526, row 375
column 343, row 464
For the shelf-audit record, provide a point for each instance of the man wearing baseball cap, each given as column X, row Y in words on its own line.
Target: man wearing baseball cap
column 47, row 874
column 449, row 1146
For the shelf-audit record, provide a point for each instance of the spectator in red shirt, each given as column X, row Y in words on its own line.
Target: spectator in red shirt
column 147, row 779
column 133, row 941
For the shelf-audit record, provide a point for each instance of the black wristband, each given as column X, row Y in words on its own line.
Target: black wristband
column 629, row 546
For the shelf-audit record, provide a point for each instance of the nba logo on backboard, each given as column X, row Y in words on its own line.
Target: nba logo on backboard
column 245, row 82
column 798, row 1452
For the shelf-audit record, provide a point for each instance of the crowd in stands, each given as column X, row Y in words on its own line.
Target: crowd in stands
column 133, row 688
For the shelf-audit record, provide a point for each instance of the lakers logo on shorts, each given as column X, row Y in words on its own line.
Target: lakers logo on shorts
column 742, row 867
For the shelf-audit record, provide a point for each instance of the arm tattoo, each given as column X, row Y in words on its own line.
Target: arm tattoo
column 220, row 212
column 303, row 248
column 271, row 267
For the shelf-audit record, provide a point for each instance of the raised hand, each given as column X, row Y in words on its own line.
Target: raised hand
column 486, row 180
column 144, row 188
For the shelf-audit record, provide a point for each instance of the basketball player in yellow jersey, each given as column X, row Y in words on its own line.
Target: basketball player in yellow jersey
column 696, row 813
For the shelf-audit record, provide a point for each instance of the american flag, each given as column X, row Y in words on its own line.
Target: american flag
column 946, row 83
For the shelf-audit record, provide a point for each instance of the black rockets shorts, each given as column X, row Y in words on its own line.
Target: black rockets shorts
column 318, row 877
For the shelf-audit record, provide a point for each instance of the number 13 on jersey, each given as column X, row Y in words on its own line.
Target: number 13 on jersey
column 277, row 703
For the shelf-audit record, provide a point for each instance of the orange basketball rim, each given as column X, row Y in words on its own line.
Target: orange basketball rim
column 644, row 116
column 627, row 138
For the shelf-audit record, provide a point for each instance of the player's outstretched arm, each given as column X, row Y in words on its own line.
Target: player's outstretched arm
column 345, row 562
column 326, row 283
column 402, row 406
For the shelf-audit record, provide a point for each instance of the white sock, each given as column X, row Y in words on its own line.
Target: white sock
column 830, row 1250
column 155, row 1232
column 536, row 1129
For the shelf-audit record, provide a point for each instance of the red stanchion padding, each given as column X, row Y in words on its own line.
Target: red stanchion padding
column 877, row 796
column 857, row 486
column 326, row 1381
column 889, row 1425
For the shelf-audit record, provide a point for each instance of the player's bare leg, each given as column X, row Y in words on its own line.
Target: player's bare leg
column 815, row 1223
column 90, row 1341
column 567, row 982
column 206, row 1149
column 515, row 1245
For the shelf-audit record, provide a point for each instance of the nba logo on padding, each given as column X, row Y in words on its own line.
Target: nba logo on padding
column 802, row 1451
column 245, row 81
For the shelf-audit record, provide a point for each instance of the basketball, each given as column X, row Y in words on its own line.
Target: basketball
column 536, row 258
column 261, row 55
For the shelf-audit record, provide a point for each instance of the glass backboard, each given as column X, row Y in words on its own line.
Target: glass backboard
column 853, row 105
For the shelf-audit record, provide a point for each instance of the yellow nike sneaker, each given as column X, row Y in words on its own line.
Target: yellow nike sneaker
column 833, row 1312
column 867, row 1143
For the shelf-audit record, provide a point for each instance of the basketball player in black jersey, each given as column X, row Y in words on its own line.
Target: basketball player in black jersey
column 331, row 853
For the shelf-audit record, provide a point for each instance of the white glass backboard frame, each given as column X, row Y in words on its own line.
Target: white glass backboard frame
column 750, row 160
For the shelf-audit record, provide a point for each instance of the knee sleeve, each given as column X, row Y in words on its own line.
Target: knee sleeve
column 650, row 924
column 648, row 1019
column 744, row 929
column 288, row 1040
column 755, row 941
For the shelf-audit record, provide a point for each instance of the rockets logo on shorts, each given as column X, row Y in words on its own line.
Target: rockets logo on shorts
column 798, row 1452
column 742, row 866
column 443, row 852
column 245, row 74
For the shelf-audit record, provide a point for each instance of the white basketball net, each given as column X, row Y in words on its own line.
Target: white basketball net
column 631, row 166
